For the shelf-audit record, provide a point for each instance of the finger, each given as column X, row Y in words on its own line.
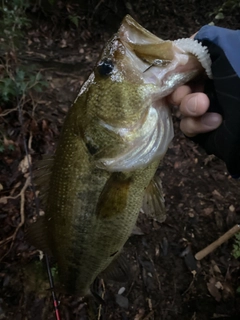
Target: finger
column 194, row 105
column 193, row 36
column 191, row 126
column 177, row 96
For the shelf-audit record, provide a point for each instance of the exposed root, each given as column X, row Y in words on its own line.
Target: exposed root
column 6, row 112
column 22, row 216
column 149, row 315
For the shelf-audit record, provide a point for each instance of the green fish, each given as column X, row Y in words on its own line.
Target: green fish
column 113, row 139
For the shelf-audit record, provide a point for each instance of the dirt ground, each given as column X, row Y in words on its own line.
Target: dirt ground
column 202, row 200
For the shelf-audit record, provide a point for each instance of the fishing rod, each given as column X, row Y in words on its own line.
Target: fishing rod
column 50, row 277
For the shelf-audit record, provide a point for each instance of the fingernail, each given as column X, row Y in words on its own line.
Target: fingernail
column 191, row 105
column 211, row 120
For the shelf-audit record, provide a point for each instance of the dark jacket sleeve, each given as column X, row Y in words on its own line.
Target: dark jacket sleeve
column 227, row 39
column 224, row 94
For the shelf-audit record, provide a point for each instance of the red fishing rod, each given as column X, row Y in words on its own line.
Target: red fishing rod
column 50, row 278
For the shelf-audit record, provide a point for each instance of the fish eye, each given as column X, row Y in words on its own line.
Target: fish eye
column 105, row 67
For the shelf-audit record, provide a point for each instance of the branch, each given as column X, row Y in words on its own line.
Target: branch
column 214, row 245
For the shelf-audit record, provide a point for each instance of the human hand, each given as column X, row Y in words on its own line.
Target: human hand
column 221, row 95
column 193, row 107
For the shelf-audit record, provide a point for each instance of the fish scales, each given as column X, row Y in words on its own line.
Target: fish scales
column 113, row 139
column 81, row 195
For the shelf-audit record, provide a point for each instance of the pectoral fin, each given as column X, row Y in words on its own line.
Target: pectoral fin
column 113, row 199
column 153, row 201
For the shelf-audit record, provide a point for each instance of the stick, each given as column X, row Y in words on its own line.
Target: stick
column 204, row 252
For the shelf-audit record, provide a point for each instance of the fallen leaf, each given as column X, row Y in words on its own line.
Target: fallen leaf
column 24, row 164
column 211, row 285
column 3, row 200
column 219, row 285
column 216, row 268
column 208, row 211
column 137, row 231
column 228, row 291
column 122, row 301
column 140, row 314
column 217, row 194
column 121, row 290
column 209, row 159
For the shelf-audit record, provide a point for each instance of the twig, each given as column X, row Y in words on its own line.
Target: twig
column 102, row 296
column 97, row 6
column 6, row 112
column 130, row 289
column 189, row 287
column 149, row 315
column 214, row 245
column 22, row 216
column 6, row 240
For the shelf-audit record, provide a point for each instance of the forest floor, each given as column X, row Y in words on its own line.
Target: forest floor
column 202, row 200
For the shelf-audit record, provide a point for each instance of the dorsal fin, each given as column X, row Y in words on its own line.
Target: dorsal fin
column 41, row 176
column 36, row 235
column 153, row 201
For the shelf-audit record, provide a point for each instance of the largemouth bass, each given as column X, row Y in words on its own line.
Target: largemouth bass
column 111, row 144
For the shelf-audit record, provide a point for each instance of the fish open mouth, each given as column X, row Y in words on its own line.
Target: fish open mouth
column 157, row 52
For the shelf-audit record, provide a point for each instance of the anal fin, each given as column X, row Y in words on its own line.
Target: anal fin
column 153, row 201
column 118, row 270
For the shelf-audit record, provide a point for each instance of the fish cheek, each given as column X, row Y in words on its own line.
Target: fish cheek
column 113, row 199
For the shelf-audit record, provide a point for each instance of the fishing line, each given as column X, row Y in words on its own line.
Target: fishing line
column 50, row 277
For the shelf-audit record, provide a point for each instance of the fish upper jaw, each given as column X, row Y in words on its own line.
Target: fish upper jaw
column 156, row 59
